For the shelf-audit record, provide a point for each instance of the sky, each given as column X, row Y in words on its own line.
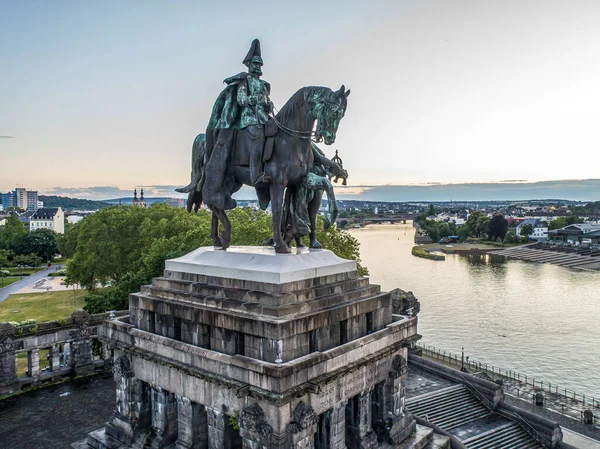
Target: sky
column 110, row 94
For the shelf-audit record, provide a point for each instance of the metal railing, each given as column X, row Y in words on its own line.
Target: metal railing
column 449, row 357
column 533, row 432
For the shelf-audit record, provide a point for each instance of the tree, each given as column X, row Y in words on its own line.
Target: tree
column 27, row 260
column 526, row 230
column 561, row 222
column 3, row 274
column 483, row 226
column 511, row 237
column 128, row 246
column 498, row 227
column 67, row 243
column 12, row 233
column 3, row 258
column 41, row 242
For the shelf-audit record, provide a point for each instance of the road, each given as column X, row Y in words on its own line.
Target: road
column 26, row 281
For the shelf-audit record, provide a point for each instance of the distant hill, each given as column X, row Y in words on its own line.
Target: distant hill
column 71, row 203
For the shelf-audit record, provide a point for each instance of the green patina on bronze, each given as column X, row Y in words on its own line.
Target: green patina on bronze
column 246, row 144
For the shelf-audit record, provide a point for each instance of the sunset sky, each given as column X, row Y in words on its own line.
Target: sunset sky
column 112, row 93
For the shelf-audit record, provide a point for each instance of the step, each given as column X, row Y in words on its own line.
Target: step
column 418, row 440
column 507, row 436
column 438, row 442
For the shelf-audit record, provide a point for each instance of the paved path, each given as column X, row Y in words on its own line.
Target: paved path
column 56, row 416
column 26, row 281
column 579, row 440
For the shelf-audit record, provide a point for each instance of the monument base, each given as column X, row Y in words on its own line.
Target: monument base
column 251, row 349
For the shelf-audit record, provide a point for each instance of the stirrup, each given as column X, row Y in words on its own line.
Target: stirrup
column 263, row 177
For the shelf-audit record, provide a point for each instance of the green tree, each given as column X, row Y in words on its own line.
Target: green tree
column 41, row 242
column 12, row 233
column 67, row 243
column 511, row 237
column 3, row 274
column 27, row 260
column 464, row 232
column 128, row 246
column 567, row 220
column 526, row 230
column 3, row 258
column 483, row 226
column 341, row 243
column 498, row 227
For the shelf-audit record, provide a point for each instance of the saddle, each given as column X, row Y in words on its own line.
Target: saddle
column 271, row 131
column 270, row 128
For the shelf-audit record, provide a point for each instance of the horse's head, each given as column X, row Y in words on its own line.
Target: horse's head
column 328, row 110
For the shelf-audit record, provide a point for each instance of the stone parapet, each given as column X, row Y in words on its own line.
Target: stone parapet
column 69, row 346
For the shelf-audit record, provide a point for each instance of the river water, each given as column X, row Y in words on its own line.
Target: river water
column 538, row 319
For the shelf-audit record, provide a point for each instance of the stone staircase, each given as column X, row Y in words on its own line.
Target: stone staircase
column 423, row 438
column 508, row 436
column 454, row 408
column 449, row 407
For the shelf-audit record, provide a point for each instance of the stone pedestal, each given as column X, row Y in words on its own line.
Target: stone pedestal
column 250, row 349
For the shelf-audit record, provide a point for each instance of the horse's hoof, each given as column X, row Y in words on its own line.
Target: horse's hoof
column 282, row 249
column 315, row 245
column 269, row 242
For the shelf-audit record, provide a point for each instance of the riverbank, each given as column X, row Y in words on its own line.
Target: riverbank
column 425, row 251
column 579, row 259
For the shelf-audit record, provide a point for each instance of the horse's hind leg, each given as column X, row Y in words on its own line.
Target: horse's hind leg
column 225, row 236
column 214, row 231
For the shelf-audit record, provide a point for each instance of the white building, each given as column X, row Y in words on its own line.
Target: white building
column 540, row 230
column 52, row 218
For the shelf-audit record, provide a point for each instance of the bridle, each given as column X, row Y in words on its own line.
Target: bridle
column 314, row 136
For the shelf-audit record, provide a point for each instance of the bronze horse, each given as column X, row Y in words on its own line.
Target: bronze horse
column 290, row 162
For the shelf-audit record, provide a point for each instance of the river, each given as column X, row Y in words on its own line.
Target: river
column 537, row 319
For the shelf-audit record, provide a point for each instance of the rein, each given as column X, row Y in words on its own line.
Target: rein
column 306, row 135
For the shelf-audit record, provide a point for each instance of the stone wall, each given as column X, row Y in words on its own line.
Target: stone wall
column 69, row 344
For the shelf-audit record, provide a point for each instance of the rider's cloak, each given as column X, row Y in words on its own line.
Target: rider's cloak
column 218, row 181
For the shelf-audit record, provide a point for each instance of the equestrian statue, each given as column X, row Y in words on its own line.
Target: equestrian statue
column 245, row 144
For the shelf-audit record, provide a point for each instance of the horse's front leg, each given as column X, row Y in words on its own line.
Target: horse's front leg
column 276, row 189
column 214, row 231
column 225, row 236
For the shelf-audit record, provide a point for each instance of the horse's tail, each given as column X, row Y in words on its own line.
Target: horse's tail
column 194, row 195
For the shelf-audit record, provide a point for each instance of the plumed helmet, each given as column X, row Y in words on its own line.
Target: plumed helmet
column 253, row 54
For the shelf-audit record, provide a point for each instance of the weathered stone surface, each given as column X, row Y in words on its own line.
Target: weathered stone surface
column 260, row 264
column 259, row 363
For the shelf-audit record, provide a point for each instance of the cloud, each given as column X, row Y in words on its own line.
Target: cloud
column 7, row 137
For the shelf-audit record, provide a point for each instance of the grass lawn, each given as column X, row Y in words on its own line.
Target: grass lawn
column 22, row 361
column 8, row 281
column 29, row 271
column 44, row 306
